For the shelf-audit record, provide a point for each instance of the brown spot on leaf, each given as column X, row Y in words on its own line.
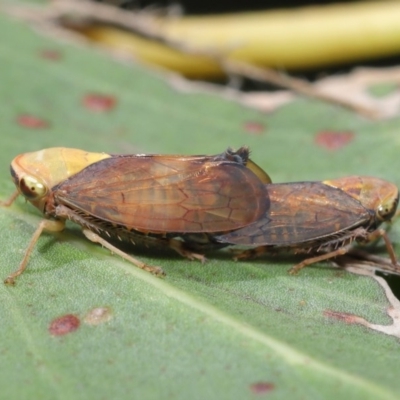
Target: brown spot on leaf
column 262, row 387
column 99, row 102
column 98, row 315
column 254, row 127
column 342, row 316
column 332, row 140
column 32, row 122
column 49, row 54
column 65, row 324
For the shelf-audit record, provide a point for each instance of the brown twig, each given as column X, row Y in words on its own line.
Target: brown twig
column 148, row 24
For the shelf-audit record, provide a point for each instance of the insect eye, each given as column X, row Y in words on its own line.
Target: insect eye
column 387, row 210
column 32, row 188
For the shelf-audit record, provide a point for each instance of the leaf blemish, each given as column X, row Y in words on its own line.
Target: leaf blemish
column 342, row 316
column 98, row 315
column 49, row 54
column 332, row 140
column 99, row 102
column 254, row 127
column 32, row 122
column 262, row 387
column 63, row 325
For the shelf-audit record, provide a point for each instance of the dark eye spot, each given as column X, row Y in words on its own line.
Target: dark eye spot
column 28, row 191
column 25, row 189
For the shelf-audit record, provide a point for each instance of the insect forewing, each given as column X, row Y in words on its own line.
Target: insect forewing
column 166, row 194
column 300, row 212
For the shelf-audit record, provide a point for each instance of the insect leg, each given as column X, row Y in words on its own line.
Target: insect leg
column 322, row 257
column 10, row 200
column 179, row 247
column 88, row 228
column 381, row 233
column 252, row 253
column 94, row 237
column 45, row 224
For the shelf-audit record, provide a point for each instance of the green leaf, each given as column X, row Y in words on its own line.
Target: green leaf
column 221, row 330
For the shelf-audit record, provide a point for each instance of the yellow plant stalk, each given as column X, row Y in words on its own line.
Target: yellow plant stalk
column 156, row 53
column 299, row 38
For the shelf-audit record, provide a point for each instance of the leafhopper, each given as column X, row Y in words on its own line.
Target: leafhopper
column 150, row 199
column 320, row 219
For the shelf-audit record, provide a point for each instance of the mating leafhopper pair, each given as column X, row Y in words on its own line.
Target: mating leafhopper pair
column 192, row 203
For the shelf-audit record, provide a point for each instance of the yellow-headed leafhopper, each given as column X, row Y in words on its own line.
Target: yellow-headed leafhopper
column 141, row 198
column 319, row 217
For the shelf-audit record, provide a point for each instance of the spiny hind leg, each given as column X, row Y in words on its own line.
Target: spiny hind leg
column 262, row 250
column 95, row 238
column 372, row 236
column 89, row 228
column 312, row 260
column 176, row 245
